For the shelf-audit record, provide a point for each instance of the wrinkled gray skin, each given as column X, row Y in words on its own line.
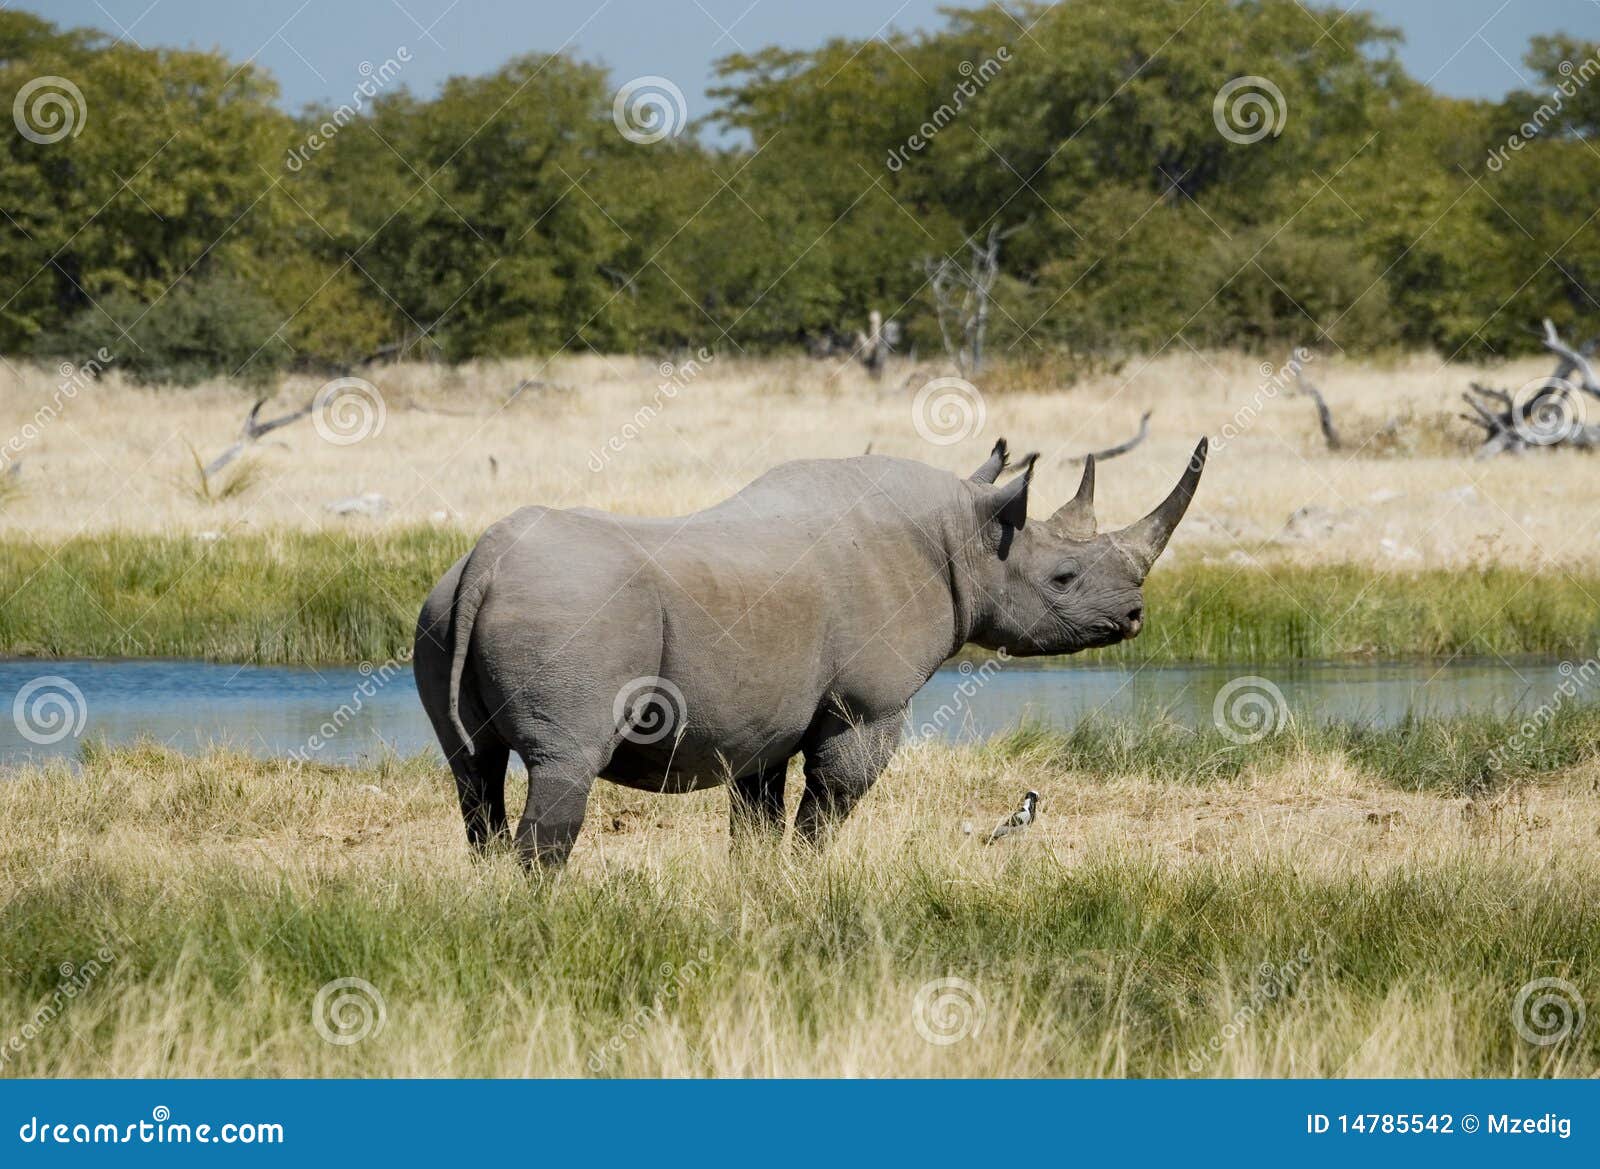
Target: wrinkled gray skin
column 800, row 615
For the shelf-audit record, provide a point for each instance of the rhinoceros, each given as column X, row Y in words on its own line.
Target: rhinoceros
column 799, row 615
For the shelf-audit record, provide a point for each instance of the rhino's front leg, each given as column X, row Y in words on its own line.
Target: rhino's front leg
column 843, row 759
column 755, row 804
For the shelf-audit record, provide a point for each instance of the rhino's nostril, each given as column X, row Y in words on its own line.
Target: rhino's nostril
column 1134, row 621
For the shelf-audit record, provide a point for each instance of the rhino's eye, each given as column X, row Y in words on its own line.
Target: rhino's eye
column 1063, row 577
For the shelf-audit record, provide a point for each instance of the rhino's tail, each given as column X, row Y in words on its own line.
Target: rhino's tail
column 471, row 588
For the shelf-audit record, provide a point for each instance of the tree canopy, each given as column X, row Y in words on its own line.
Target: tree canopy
column 1265, row 173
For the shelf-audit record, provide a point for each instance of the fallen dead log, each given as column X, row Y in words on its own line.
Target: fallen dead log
column 1121, row 448
column 253, row 430
column 1543, row 414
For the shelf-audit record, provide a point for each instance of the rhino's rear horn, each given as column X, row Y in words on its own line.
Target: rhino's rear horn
column 1146, row 540
column 1075, row 518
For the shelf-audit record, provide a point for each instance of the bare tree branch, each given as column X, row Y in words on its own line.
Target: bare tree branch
column 1121, row 448
column 252, row 430
column 1572, row 360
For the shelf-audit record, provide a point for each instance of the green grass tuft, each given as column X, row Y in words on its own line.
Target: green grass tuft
column 286, row 596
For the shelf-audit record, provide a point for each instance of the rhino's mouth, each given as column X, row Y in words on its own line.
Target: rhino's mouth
column 1106, row 631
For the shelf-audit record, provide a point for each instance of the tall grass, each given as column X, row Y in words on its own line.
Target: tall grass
column 1464, row 755
column 287, row 596
column 284, row 596
column 1300, row 919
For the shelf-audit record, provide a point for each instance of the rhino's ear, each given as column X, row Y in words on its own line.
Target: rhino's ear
column 996, row 463
column 1008, row 504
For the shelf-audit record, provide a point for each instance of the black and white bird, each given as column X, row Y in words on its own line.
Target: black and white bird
column 1018, row 820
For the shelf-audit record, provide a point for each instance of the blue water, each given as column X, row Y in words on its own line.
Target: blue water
column 282, row 710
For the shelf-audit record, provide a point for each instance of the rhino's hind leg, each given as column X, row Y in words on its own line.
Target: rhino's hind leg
column 481, row 788
column 844, row 757
column 755, row 804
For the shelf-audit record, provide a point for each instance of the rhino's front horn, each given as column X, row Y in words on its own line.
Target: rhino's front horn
column 1146, row 540
column 1075, row 518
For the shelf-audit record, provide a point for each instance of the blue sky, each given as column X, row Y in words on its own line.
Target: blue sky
column 315, row 47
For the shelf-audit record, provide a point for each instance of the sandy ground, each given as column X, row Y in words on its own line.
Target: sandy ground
column 457, row 446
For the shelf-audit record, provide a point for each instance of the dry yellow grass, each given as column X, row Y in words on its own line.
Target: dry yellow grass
column 1119, row 936
column 452, row 451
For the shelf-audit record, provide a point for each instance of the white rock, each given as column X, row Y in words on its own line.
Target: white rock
column 371, row 504
column 1385, row 495
column 1395, row 550
column 1315, row 523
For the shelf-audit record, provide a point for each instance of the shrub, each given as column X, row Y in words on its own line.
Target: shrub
column 216, row 326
